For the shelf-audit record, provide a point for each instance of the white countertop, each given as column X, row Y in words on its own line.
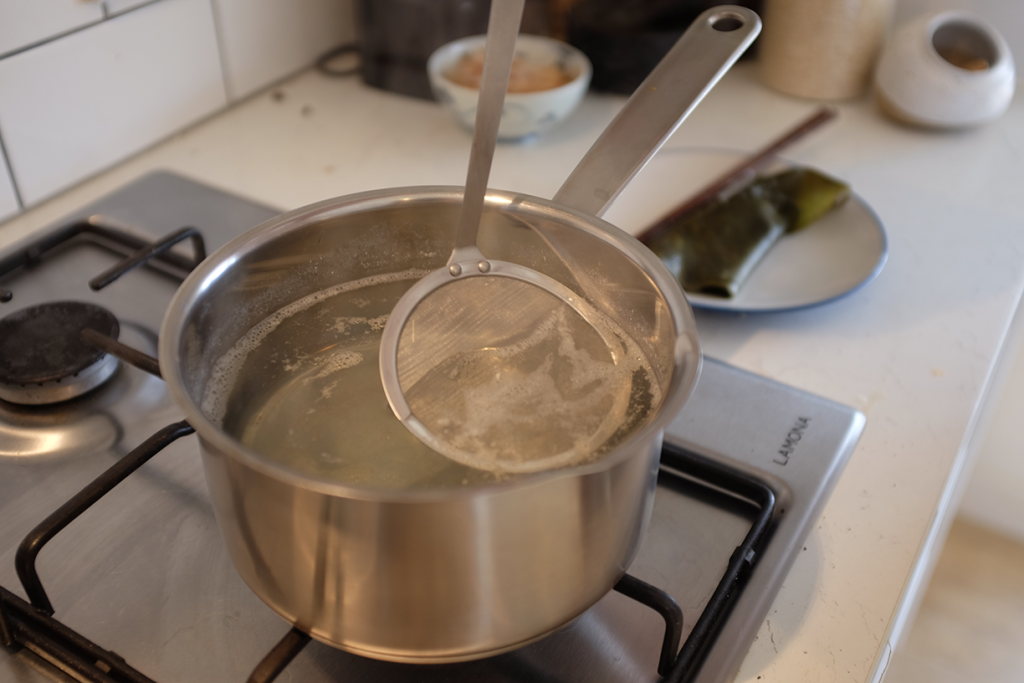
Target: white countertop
column 916, row 350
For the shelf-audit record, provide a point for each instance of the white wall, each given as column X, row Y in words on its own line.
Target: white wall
column 263, row 41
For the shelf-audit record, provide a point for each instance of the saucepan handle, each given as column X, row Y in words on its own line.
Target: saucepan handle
column 702, row 55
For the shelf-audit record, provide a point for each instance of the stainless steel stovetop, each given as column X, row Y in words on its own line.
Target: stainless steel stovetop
column 143, row 573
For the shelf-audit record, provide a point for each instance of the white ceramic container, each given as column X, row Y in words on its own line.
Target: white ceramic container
column 947, row 69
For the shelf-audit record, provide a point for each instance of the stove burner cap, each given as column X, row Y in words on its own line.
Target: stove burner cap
column 42, row 358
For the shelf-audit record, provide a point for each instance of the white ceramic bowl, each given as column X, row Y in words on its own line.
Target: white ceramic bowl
column 918, row 78
column 524, row 114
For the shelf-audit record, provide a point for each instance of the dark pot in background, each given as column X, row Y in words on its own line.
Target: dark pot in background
column 397, row 36
column 625, row 39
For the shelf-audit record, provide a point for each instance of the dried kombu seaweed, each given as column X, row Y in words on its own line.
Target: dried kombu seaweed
column 713, row 249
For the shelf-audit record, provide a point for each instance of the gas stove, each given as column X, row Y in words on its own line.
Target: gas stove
column 141, row 588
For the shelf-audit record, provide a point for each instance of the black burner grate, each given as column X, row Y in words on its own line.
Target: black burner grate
column 32, row 626
column 41, row 344
column 135, row 250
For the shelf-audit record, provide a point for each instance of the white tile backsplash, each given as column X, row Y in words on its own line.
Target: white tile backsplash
column 73, row 106
column 85, row 83
column 24, row 22
column 263, row 41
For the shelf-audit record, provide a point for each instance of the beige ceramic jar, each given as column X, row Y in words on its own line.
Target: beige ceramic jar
column 822, row 49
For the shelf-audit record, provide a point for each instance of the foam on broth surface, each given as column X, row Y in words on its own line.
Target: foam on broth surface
column 508, row 377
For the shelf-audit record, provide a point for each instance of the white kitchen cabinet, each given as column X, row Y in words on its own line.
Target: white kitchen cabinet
column 263, row 41
column 73, row 106
column 24, row 22
column 8, row 200
column 993, row 496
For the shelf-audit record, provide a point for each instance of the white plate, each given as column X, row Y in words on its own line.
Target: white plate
column 832, row 258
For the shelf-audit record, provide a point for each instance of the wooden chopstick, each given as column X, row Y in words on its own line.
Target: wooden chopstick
column 747, row 168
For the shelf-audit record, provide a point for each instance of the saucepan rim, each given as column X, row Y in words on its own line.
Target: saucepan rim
column 192, row 290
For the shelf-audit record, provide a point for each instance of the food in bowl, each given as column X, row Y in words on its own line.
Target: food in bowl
column 548, row 82
column 526, row 76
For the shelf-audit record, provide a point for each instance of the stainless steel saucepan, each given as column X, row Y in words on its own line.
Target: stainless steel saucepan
column 341, row 521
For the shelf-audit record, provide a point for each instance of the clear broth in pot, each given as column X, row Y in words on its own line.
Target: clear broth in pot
column 303, row 388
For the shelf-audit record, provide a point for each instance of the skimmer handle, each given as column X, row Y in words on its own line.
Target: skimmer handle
column 702, row 55
column 502, row 29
